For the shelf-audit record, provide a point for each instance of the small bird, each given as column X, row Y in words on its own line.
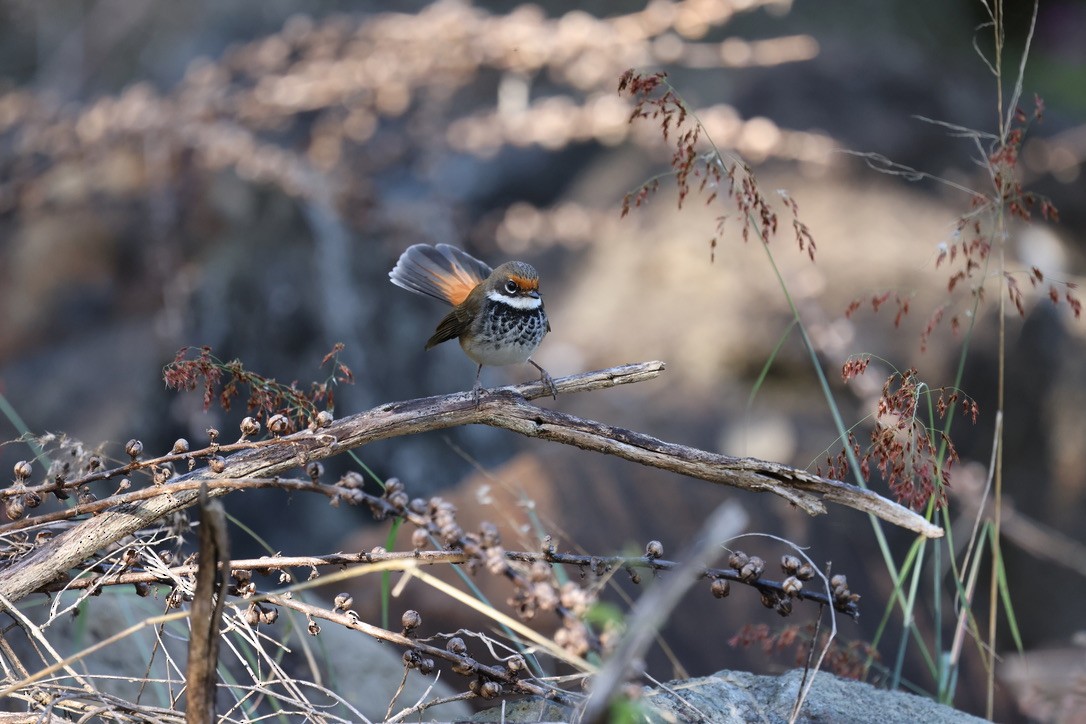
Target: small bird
column 497, row 314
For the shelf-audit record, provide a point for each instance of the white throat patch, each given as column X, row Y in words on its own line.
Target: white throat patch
column 522, row 303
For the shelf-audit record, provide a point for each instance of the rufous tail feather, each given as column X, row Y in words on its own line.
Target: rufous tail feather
column 442, row 272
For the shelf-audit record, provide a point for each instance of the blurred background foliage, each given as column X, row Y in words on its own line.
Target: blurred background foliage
column 244, row 174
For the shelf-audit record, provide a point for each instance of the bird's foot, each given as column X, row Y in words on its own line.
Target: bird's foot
column 546, row 379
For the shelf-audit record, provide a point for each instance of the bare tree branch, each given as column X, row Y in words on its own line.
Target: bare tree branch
column 507, row 408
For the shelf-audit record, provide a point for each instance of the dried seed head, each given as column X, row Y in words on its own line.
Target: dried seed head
column 426, row 666
column 635, row 577
column 490, row 690
column 789, row 564
column 420, row 539
column 343, row 601
column 411, row 620
column 805, row 572
column 250, row 427
column 393, row 485
column 489, row 535
column 23, row 471
column 314, row 470
column 216, row 463
column 720, row 587
column 324, row 418
column 784, row 606
column 737, row 559
column 278, row 424
column 352, row 480
column 516, row 663
column 410, row 658
column 212, row 434
column 133, row 448
column 792, row 586
column 466, row 666
column 94, row 463
column 313, row 627
column 270, row 615
column 398, row 500
column 15, row 507
column 252, row 615
column 32, row 499
column 456, row 645
column 143, row 589
column 752, row 570
column 417, row 506
column 654, row 549
column 180, row 446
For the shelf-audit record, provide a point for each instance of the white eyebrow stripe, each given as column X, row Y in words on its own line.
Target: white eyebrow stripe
column 522, row 303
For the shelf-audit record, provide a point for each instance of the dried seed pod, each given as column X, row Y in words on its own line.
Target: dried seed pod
column 324, row 418
column 752, row 570
column 737, row 559
column 23, row 471
column 411, row 620
column 270, row 615
column 490, row 690
column 426, row 666
column 398, row 500
column 278, row 425
column 792, row 586
column 393, row 485
column 32, row 499
column 720, row 587
column 456, row 645
column 180, row 446
column 252, row 615
column 212, row 434
column 250, row 426
column 314, row 470
column 410, row 658
column 133, row 448
column 216, row 464
column 94, row 463
column 313, row 627
column 790, row 564
column 15, row 507
column 343, row 601
column 654, row 550
column 143, row 589
column 417, row 506
column 784, row 606
column 805, row 572
column 420, row 539
column 352, row 480
column 466, row 666
column 516, row 663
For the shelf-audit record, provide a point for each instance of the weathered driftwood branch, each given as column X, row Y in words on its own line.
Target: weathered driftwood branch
column 506, row 408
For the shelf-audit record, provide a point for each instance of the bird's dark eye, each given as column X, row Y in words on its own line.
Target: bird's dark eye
column 510, row 287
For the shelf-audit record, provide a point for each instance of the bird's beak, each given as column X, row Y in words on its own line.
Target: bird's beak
column 533, row 294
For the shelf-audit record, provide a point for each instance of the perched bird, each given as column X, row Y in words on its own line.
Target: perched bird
column 497, row 314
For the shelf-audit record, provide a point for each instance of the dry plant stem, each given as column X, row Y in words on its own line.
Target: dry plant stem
column 207, row 604
column 351, row 621
column 507, row 408
column 596, row 564
column 656, row 605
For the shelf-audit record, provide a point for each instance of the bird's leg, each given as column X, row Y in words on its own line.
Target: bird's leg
column 545, row 378
column 478, row 388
